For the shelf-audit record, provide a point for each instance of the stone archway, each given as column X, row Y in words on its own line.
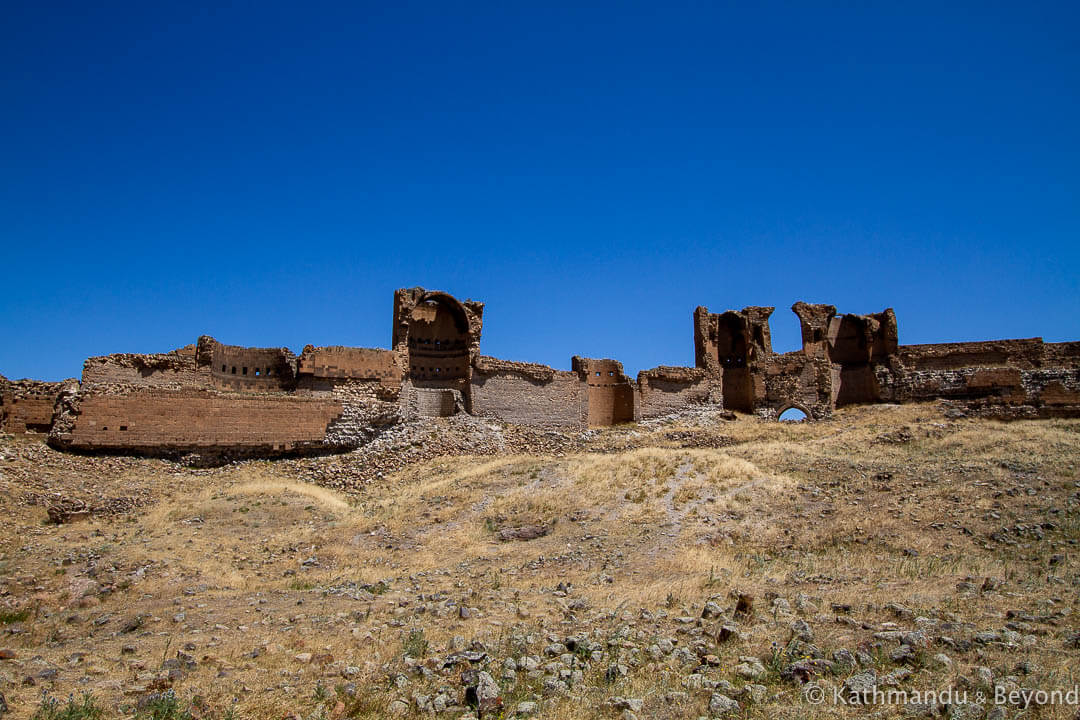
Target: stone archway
column 807, row 415
column 438, row 341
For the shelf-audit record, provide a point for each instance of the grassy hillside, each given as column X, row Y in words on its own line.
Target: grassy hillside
column 681, row 567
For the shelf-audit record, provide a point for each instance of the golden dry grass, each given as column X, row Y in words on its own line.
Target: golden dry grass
column 879, row 505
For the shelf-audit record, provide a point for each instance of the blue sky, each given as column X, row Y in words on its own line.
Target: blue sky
column 269, row 173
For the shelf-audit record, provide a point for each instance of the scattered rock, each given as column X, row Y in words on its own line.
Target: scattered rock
column 750, row 668
column 800, row 630
column 132, row 624
column 720, row 704
column 487, row 694
column 727, row 632
column 711, row 610
column 524, row 532
column 859, row 686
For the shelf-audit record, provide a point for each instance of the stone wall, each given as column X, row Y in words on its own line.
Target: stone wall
column 1062, row 354
column 350, row 363
column 610, row 392
column 174, row 369
column 331, row 398
column 1003, row 378
column 734, row 348
column 664, row 390
column 794, row 380
column 436, row 339
column 528, row 394
column 27, row 405
column 231, row 367
column 367, row 406
column 1026, row 353
column 155, row 420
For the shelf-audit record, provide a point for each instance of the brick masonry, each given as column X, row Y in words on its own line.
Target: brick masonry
column 28, row 405
column 209, row 395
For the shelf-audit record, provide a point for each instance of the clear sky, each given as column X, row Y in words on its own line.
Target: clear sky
column 269, row 173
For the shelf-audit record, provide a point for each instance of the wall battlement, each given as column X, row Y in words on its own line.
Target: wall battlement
column 209, row 396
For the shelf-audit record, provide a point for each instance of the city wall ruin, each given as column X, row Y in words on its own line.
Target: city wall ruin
column 265, row 401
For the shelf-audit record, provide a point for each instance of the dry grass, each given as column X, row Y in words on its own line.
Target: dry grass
column 880, row 505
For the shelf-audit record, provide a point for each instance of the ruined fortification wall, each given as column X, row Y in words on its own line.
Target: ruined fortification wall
column 436, row 340
column 174, row 369
column 795, row 380
column 1062, row 355
column 27, row 405
column 666, row 389
column 528, row 394
column 1027, row 353
column 734, row 348
column 1005, row 378
column 611, row 393
column 1054, row 391
column 232, row 367
column 367, row 406
column 226, row 397
column 176, row 420
column 350, row 363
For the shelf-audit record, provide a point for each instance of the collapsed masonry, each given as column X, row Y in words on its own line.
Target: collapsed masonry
column 210, row 397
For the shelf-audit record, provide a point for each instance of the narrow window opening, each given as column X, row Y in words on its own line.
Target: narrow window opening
column 123, row 427
column 234, row 370
column 245, row 371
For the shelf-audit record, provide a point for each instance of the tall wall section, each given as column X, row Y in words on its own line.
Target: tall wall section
column 529, row 394
column 610, row 392
column 366, row 381
column 176, row 369
column 436, row 339
column 665, row 390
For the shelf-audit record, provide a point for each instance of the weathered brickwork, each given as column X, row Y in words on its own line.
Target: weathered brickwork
column 350, row 363
column 173, row 369
column 27, row 405
column 664, row 390
column 178, row 420
column 1027, row 353
column 224, row 397
column 611, row 394
column 529, row 394
column 239, row 368
column 437, row 339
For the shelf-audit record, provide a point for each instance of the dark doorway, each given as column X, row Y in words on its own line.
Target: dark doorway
column 733, row 352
